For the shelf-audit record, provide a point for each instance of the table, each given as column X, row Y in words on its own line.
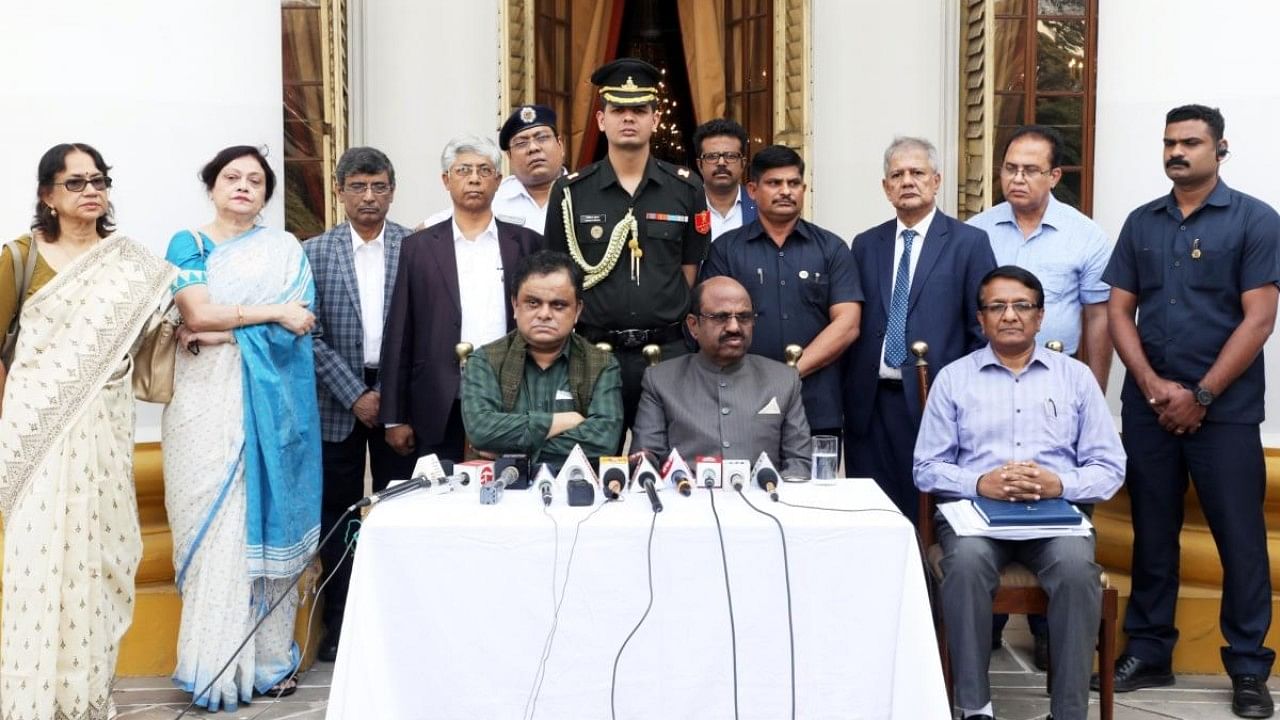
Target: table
column 451, row 604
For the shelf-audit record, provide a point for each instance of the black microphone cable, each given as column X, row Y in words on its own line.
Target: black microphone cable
column 613, row 683
column 275, row 604
column 531, row 705
column 733, row 632
column 786, row 570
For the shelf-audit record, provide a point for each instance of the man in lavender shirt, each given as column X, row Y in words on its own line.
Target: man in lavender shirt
column 1014, row 421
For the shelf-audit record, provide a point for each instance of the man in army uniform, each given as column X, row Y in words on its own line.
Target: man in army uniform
column 637, row 226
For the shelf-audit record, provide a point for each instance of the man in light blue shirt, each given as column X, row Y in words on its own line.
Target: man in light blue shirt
column 1065, row 249
column 1013, row 421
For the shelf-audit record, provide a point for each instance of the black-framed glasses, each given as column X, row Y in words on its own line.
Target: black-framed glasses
column 722, row 318
column 465, row 171
column 539, row 139
column 101, row 182
column 360, row 188
column 997, row 309
column 715, row 157
column 1030, row 172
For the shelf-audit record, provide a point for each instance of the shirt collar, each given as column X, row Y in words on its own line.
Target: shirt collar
column 1220, row 196
column 755, row 230
column 489, row 233
column 357, row 241
column 610, row 176
column 922, row 227
column 1054, row 214
column 703, row 362
column 986, row 357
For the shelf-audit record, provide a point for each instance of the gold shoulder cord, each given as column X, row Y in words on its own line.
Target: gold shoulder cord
column 598, row 272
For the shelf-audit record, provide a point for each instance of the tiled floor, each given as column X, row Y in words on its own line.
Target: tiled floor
column 1017, row 688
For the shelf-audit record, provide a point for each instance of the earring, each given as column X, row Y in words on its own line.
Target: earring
column 53, row 211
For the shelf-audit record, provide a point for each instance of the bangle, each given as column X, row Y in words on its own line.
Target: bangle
column 239, row 316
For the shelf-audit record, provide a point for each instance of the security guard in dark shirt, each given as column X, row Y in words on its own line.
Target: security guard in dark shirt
column 802, row 279
column 1200, row 267
column 636, row 225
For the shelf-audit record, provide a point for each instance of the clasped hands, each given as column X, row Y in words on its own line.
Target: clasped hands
column 1019, row 481
column 1175, row 406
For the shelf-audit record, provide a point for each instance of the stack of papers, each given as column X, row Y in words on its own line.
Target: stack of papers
column 966, row 521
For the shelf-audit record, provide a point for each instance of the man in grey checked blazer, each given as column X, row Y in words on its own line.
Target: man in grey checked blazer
column 354, row 264
column 721, row 400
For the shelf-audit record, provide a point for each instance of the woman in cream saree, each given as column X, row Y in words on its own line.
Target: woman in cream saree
column 241, row 443
column 71, row 537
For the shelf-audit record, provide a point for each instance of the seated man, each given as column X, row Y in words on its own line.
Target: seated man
column 542, row 389
column 1013, row 421
column 720, row 400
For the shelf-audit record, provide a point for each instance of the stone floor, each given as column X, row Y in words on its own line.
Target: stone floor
column 1017, row 688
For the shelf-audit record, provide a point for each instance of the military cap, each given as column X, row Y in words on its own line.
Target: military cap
column 627, row 82
column 523, row 118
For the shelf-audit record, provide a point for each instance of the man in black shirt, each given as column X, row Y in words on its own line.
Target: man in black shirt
column 637, row 226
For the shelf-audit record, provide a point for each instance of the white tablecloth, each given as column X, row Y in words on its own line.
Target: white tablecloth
column 451, row 603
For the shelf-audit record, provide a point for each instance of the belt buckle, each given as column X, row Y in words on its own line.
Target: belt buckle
column 631, row 338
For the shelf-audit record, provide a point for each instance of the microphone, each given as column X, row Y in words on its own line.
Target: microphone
column 676, row 472
column 709, row 471
column 521, row 465
column 544, row 483
column 644, row 474
column 408, row 486
column 737, row 472
column 491, row 492
column 580, row 490
column 766, row 476
column 613, row 475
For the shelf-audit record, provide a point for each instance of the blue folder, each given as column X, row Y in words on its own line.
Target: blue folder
column 1002, row 513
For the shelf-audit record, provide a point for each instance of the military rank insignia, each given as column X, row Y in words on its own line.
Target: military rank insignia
column 702, row 222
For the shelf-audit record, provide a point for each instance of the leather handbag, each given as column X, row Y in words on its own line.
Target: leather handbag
column 153, row 363
column 22, row 273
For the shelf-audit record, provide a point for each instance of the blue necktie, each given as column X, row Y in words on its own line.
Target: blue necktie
column 895, row 338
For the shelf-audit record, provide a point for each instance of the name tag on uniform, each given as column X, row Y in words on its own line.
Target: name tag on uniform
column 591, row 218
column 667, row 217
column 563, row 395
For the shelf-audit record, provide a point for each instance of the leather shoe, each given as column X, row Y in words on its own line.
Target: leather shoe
column 328, row 650
column 978, row 717
column 1250, row 697
column 1133, row 673
column 1041, row 654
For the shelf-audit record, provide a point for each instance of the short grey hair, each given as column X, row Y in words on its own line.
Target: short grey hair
column 364, row 161
column 901, row 143
column 470, row 144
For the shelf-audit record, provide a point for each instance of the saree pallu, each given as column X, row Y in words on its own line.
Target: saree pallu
column 72, row 543
column 242, row 477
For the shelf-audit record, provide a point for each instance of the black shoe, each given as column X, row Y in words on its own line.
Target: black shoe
column 1041, row 655
column 328, row 650
column 978, row 717
column 1134, row 673
column 1250, row 697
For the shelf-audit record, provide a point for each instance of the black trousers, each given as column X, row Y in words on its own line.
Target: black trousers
column 1225, row 461
column 450, row 446
column 632, row 365
column 344, row 466
column 884, row 452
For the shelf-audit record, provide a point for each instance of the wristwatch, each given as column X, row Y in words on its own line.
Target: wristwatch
column 1204, row 395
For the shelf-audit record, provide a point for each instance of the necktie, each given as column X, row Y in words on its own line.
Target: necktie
column 895, row 337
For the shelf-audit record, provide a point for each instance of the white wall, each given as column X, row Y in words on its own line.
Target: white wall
column 157, row 86
column 425, row 71
column 878, row 70
column 1143, row 74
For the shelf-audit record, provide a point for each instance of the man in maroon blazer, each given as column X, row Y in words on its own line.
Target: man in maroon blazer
column 452, row 286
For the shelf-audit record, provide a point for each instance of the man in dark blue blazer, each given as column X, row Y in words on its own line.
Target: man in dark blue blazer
column 354, row 264
column 722, row 161
column 921, row 273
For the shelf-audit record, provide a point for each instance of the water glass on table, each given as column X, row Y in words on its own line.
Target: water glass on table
column 826, row 459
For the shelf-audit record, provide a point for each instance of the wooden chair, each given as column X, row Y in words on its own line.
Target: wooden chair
column 1019, row 591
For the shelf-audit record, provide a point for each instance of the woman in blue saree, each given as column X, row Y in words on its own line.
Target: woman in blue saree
column 241, row 438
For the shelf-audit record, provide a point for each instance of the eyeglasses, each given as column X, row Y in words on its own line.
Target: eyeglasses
column 538, row 139
column 1030, row 172
column 465, row 171
column 75, row 185
column 715, row 157
column 722, row 318
column 360, row 188
column 996, row 309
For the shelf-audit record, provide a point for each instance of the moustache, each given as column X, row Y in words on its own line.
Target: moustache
column 728, row 336
column 1177, row 162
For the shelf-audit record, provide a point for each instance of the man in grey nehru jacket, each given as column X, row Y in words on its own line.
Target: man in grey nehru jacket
column 721, row 400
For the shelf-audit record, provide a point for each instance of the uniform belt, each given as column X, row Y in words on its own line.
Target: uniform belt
column 892, row 383
column 630, row 339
